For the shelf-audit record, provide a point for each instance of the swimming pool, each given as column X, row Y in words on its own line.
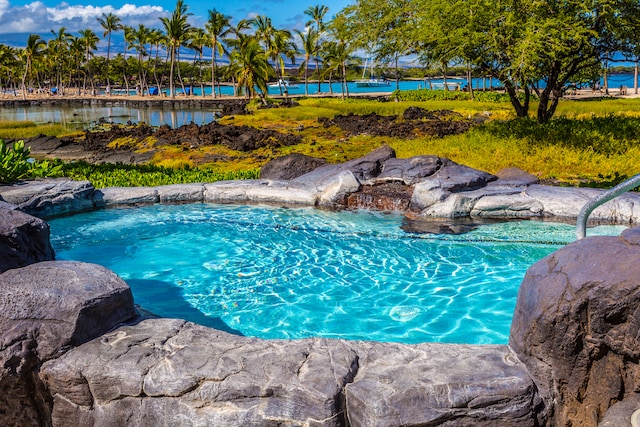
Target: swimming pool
column 290, row 273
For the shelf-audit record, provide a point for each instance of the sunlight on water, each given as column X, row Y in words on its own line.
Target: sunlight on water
column 291, row 273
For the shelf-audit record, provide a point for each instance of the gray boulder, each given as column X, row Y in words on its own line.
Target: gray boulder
column 515, row 177
column 363, row 168
column 412, row 170
column 577, row 323
column 50, row 197
column 46, row 308
column 290, row 166
column 171, row 372
column 24, row 239
column 440, row 385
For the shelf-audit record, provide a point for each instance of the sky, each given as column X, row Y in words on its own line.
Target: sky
column 18, row 18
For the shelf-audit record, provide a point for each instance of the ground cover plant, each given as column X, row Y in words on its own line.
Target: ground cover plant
column 590, row 142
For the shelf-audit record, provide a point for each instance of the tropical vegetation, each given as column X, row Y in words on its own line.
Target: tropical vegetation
column 535, row 49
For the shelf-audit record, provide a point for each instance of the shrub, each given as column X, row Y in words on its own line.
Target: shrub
column 14, row 161
column 16, row 164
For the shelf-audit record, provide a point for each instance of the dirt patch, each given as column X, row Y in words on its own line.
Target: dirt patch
column 415, row 122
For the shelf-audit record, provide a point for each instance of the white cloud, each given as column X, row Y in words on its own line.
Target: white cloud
column 36, row 17
column 4, row 5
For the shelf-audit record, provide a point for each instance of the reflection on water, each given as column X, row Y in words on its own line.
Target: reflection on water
column 81, row 117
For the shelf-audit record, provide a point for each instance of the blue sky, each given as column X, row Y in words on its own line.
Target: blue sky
column 42, row 16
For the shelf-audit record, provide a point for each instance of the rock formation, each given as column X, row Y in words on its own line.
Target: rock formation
column 422, row 186
column 24, row 239
column 45, row 309
column 577, row 326
column 73, row 351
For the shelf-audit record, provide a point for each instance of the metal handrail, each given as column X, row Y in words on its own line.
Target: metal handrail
column 623, row 187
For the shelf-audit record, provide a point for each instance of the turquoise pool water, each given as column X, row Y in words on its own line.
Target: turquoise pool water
column 290, row 273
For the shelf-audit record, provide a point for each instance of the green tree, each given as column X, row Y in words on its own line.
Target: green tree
column 523, row 43
column 89, row 40
column 177, row 31
column 218, row 27
column 33, row 49
column 139, row 39
column 199, row 39
column 308, row 42
column 317, row 13
column 110, row 23
column 251, row 66
column 58, row 49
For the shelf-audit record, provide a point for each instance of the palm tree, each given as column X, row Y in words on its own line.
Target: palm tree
column 264, row 31
column 198, row 40
column 76, row 55
column 252, row 66
column 89, row 40
column 309, row 43
column 218, row 27
column 110, row 23
column 317, row 13
column 177, row 31
column 139, row 38
column 282, row 46
column 155, row 39
column 58, row 47
column 34, row 47
column 128, row 42
column 8, row 63
column 341, row 49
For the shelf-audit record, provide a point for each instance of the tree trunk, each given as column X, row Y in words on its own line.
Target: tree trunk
column 522, row 108
column 635, row 78
column 549, row 99
column 469, row 80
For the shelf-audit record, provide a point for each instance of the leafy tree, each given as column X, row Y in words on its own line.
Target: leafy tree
column 522, row 43
column 34, row 48
column 138, row 41
column 218, row 27
column 250, row 66
column 309, row 42
column 177, row 31
column 110, row 23
column 89, row 40
column 317, row 14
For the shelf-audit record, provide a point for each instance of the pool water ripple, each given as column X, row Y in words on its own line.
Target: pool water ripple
column 291, row 273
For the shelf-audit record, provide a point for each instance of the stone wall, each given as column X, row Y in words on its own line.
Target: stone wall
column 73, row 351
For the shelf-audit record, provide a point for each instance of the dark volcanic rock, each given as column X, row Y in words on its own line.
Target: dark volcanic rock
column 24, row 239
column 290, row 166
column 577, row 323
column 417, row 113
column 377, row 125
column 44, row 309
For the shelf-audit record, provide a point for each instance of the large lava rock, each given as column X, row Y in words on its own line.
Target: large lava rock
column 577, row 326
column 45, row 309
column 24, row 239
column 290, row 166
